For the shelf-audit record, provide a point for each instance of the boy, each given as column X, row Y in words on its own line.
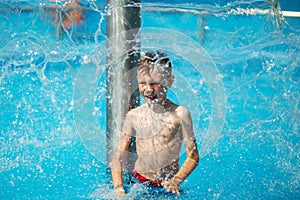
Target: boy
column 159, row 126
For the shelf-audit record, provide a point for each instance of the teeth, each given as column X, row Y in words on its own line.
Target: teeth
column 150, row 96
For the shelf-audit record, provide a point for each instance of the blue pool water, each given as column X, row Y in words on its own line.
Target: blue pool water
column 237, row 70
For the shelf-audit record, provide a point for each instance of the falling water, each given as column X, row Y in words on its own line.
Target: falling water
column 237, row 69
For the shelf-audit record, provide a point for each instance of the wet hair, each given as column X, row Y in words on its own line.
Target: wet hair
column 155, row 61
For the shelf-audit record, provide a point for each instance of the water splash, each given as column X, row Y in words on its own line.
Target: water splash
column 257, row 63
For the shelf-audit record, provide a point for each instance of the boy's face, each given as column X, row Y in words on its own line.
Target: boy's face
column 153, row 87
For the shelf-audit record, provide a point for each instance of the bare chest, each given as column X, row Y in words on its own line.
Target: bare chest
column 148, row 124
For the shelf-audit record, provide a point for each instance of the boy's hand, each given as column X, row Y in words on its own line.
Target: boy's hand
column 172, row 185
column 120, row 192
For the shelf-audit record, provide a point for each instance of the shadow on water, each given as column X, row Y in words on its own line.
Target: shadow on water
column 237, row 70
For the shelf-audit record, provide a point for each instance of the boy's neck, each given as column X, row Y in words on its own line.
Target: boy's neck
column 159, row 107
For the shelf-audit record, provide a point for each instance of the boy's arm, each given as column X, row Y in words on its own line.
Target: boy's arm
column 117, row 165
column 191, row 151
column 119, row 154
column 190, row 145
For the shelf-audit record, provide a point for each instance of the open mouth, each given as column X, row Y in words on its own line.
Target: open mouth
column 150, row 97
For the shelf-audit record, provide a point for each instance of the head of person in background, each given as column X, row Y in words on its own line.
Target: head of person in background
column 66, row 16
column 72, row 15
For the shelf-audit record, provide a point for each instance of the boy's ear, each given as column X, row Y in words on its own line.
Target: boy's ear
column 170, row 81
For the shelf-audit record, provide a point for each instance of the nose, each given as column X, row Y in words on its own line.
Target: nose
column 148, row 88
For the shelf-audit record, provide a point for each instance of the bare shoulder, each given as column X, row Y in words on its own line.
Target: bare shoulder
column 183, row 112
column 137, row 111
